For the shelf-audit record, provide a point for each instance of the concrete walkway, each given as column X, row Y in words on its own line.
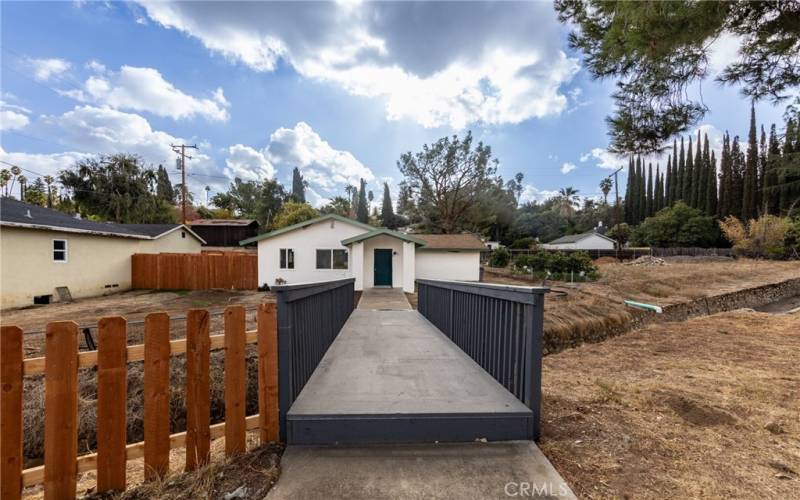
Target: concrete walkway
column 446, row 471
column 392, row 299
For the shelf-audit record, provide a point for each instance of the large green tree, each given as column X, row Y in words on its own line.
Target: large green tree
column 299, row 185
column 657, row 50
column 388, row 218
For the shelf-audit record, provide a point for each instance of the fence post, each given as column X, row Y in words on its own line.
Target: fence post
column 156, row 395
column 60, row 410
column 112, row 403
column 268, row 373
column 284, row 361
column 235, row 381
column 198, row 400
column 11, row 355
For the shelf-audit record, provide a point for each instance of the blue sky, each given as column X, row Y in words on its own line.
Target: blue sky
column 340, row 90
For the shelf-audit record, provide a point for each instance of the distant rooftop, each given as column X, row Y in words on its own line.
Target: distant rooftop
column 222, row 222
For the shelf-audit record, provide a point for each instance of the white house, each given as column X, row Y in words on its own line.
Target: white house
column 584, row 241
column 333, row 247
column 43, row 249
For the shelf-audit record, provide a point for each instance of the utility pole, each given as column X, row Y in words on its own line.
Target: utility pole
column 181, row 150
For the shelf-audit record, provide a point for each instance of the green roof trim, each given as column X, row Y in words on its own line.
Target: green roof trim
column 303, row 224
column 382, row 231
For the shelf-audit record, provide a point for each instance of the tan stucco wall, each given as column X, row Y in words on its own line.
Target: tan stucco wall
column 27, row 268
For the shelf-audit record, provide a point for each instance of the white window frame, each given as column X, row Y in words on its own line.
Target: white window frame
column 331, row 250
column 53, row 251
column 294, row 259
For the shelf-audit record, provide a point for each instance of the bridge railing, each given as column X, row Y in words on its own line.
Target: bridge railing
column 310, row 317
column 498, row 326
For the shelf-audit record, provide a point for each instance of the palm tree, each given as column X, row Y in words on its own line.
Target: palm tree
column 568, row 199
column 605, row 187
column 5, row 176
column 207, row 189
column 48, row 179
column 23, row 181
column 15, row 171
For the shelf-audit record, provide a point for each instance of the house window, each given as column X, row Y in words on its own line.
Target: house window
column 59, row 250
column 331, row 259
column 287, row 258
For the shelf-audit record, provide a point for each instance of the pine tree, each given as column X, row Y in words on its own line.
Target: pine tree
column 388, row 218
column 688, row 177
column 362, row 211
column 749, row 206
column 679, row 191
column 298, row 186
column 772, row 192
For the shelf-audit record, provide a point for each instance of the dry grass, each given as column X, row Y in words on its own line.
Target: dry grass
column 256, row 470
column 704, row 408
column 593, row 311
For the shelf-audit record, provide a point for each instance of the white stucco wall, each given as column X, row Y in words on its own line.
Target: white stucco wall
column 388, row 243
column 444, row 265
column 592, row 242
column 327, row 234
column 95, row 264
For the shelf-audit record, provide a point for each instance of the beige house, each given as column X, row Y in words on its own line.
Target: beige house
column 43, row 249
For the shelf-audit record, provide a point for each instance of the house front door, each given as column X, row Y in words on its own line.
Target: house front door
column 383, row 267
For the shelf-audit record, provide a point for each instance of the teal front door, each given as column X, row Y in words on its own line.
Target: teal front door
column 383, row 267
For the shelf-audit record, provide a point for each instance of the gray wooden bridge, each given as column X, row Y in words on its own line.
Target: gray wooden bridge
column 465, row 366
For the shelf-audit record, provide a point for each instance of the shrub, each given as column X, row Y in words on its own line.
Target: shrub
column 677, row 226
column 620, row 233
column 523, row 243
column 762, row 237
column 499, row 257
column 561, row 266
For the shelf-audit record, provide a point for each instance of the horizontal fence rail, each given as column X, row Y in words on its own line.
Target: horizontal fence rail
column 194, row 271
column 498, row 326
column 60, row 368
column 310, row 317
column 630, row 253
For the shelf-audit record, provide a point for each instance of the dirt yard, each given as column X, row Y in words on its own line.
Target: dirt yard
column 134, row 306
column 588, row 311
column 704, row 408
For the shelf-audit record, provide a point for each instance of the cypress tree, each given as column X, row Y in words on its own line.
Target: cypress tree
column 668, row 182
column 698, row 173
column 629, row 194
column 658, row 196
column 789, row 166
column 711, row 186
column 679, row 192
column 702, row 181
column 362, row 211
column 772, row 194
column 642, row 203
column 674, row 179
column 388, row 218
column 749, row 206
column 649, row 209
column 736, row 199
column 723, row 205
column 635, row 196
column 762, row 172
column 298, row 186
column 689, row 176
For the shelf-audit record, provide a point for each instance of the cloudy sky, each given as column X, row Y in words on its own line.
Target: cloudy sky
column 340, row 90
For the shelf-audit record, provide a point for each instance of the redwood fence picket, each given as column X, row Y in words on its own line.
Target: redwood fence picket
column 194, row 271
column 60, row 367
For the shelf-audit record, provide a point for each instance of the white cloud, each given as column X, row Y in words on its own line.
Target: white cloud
column 13, row 117
column 531, row 193
column 45, row 164
column 567, row 167
column 248, row 164
column 426, row 62
column 145, row 89
column 45, row 69
column 604, row 159
column 328, row 170
column 724, row 51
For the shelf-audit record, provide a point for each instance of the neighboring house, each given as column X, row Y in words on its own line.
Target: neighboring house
column 224, row 232
column 42, row 249
column 492, row 245
column 585, row 241
column 333, row 247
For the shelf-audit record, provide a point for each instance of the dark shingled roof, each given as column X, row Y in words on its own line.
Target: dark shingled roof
column 17, row 213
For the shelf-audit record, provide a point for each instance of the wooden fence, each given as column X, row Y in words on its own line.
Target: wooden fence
column 60, row 367
column 194, row 271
